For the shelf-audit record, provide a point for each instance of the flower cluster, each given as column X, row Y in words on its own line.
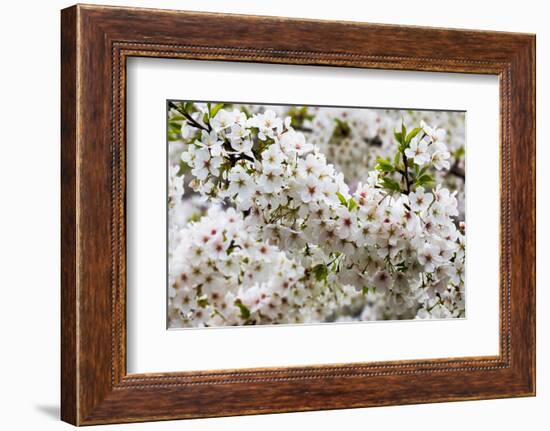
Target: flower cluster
column 354, row 139
column 389, row 248
column 221, row 274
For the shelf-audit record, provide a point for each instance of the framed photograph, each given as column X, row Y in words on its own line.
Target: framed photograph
column 263, row 217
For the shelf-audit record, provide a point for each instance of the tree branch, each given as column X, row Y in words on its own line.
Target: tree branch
column 458, row 171
column 188, row 117
column 406, row 173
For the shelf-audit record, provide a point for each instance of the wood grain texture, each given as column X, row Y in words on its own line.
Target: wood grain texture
column 96, row 41
column 68, row 217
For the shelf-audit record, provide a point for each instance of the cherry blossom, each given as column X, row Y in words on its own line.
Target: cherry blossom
column 287, row 240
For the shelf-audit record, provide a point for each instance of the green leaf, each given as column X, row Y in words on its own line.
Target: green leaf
column 188, row 106
column 177, row 117
column 398, row 137
column 184, row 167
column 194, row 218
column 390, row 184
column 203, row 302
column 174, row 128
column 423, row 170
column 298, row 115
column 423, row 179
column 403, row 132
column 216, row 109
column 320, row 271
column 342, row 130
column 384, row 165
column 397, row 160
column 245, row 312
column 412, row 134
column 460, row 153
column 352, row 204
column 342, row 199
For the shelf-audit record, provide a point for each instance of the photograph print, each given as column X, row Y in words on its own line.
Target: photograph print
column 287, row 214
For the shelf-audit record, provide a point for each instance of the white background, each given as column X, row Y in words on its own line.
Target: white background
column 151, row 348
column 29, row 216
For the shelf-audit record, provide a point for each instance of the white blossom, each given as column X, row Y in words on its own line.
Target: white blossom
column 419, row 200
column 289, row 238
column 418, row 151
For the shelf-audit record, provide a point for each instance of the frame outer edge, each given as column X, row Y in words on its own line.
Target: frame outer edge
column 531, row 120
column 69, row 212
column 533, row 56
column 523, row 217
column 532, row 101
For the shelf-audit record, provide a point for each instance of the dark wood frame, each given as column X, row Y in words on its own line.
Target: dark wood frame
column 95, row 43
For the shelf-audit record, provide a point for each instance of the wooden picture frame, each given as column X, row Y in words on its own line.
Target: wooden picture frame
column 95, row 43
